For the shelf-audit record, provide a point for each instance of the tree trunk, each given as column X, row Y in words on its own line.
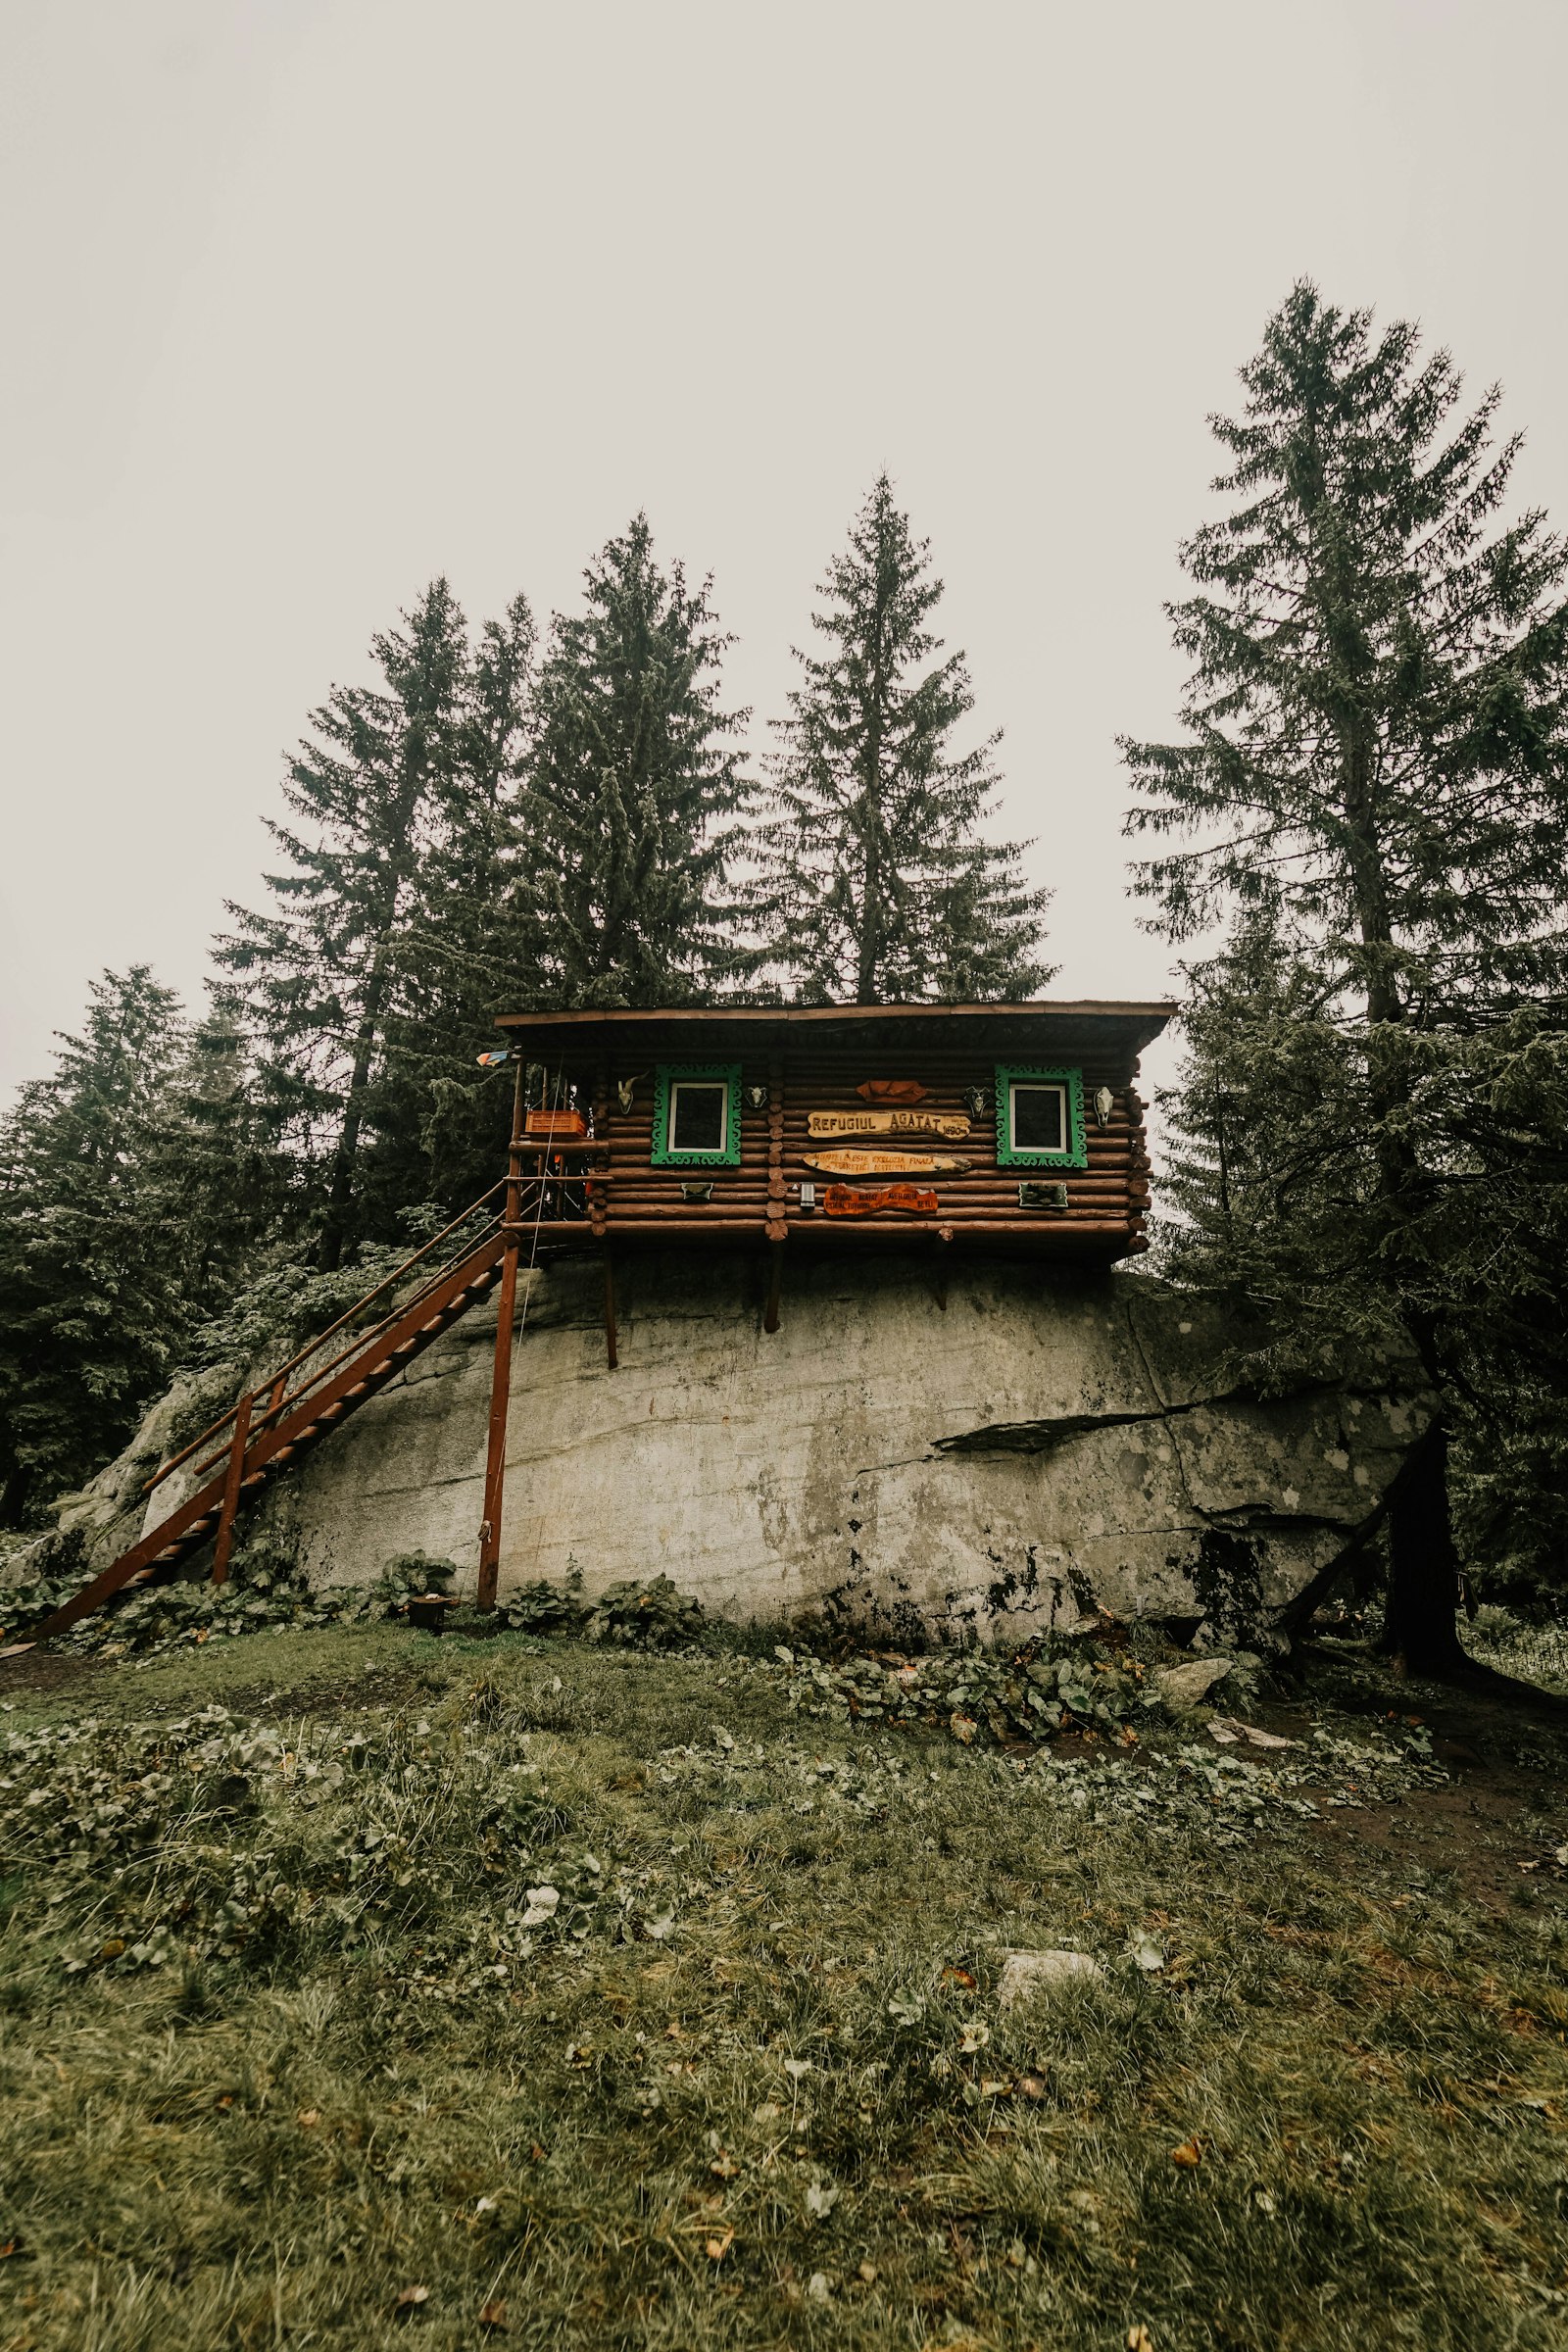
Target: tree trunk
column 1423, row 1564
column 18, row 1491
column 334, row 1233
column 1423, row 1560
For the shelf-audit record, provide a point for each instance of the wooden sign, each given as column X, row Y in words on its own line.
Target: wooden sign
column 952, row 1125
column 886, row 1163
column 852, row 1201
column 891, row 1089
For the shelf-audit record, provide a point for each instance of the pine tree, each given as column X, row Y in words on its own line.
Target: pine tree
column 875, row 880
column 399, row 913
column 137, row 1185
column 474, row 941
column 632, row 787
column 1375, row 779
column 90, row 1292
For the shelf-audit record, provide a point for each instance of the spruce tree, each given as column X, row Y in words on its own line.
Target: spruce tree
column 474, row 943
column 875, row 881
column 395, row 921
column 91, row 1298
column 633, row 782
column 137, row 1186
column 1374, row 778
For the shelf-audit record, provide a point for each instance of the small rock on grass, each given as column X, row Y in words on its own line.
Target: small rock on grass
column 1180, row 1688
column 1024, row 1975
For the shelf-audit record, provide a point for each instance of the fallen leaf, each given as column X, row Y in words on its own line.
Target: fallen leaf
column 725, row 2167
column 819, row 2287
column 821, row 2197
column 868, row 2273
column 113, row 1949
column 8, row 2249
column 1144, row 1953
column 485, row 2205
column 795, row 2068
column 1139, row 2339
column 308, row 2118
column 494, row 2313
column 1189, row 2153
column 975, row 2038
column 1031, row 2086
column 717, row 2247
column 409, row 2297
column 958, row 1976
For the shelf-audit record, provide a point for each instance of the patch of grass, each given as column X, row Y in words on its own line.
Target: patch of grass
column 1535, row 1653
column 625, row 1998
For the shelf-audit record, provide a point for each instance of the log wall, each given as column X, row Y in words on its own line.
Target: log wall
column 1106, row 1201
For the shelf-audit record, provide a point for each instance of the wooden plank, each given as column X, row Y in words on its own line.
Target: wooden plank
column 951, row 1125
column 885, row 1164
column 233, row 1479
column 853, row 1200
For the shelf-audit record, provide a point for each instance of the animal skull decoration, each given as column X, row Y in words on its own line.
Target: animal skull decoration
column 757, row 1097
column 978, row 1098
column 625, row 1091
column 1105, row 1103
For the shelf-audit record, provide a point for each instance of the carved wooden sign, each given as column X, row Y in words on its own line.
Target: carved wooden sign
column 854, row 1201
column 891, row 1089
column 886, row 1163
column 952, row 1125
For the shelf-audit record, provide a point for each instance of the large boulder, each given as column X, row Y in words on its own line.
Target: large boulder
column 985, row 1446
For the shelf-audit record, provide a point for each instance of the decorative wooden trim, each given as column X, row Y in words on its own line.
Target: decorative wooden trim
column 599, row 1192
column 1076, row 1155
column 670, row 1074
column 775, row 1226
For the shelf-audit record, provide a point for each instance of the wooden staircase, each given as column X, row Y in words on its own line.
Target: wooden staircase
column 274, row 1424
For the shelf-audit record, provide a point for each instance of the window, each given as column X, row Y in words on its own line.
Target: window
column 697, row 1115
column 1039, row 1119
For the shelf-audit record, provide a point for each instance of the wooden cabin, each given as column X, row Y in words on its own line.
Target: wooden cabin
column 1017, row 1126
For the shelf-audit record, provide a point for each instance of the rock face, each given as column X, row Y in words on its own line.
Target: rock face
column 1009, row 1457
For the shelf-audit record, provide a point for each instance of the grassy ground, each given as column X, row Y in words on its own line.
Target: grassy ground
column 361, row 1988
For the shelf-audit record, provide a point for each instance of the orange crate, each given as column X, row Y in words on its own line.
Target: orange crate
column 570, row 1124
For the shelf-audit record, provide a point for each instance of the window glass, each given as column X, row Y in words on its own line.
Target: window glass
column 1038, row 1118
column 698, row 1116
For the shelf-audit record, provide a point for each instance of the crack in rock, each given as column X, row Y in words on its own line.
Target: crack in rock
column 1055, row 1429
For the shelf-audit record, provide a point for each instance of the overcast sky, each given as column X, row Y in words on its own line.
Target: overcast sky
column 304, row 300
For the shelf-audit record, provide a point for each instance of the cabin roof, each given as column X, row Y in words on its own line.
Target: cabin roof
column 1111, row 1022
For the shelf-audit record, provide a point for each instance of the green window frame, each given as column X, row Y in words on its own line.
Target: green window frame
column 1012, row 1155
column 668, row 1077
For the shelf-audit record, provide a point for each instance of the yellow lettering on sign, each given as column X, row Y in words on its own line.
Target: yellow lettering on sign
column 951, row 1125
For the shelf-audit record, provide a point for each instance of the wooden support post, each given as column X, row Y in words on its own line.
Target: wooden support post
column 775, row 1281
column 611, row 1354
column 495, row 1465
column 233, row 1477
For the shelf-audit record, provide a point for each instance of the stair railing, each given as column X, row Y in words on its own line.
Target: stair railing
column 277, row 1384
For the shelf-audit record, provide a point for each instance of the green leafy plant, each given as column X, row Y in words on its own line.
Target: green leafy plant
column 651, row 1613
column 409, row 1572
